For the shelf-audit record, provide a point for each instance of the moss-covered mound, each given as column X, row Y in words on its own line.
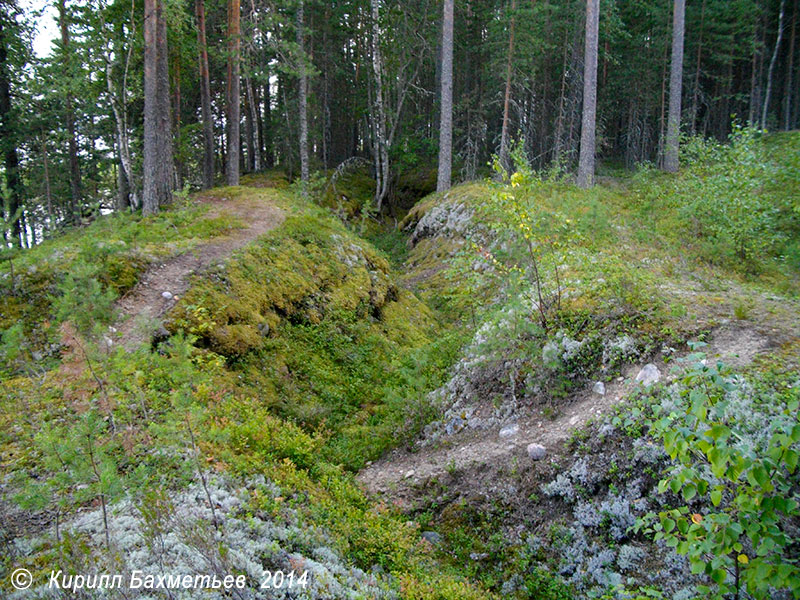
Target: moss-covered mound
column 312, row 318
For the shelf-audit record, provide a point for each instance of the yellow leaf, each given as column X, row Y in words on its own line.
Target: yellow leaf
column 697, row 518
column 742, row 558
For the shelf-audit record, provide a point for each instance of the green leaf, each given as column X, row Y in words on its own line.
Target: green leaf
column 716, row 497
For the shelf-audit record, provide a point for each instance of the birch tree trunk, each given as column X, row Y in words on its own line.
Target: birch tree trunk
column 234, row 93
column 303, row 95
column 205, row 97
column 770, row 71
column 675, row 87
column 381, row 149
column 446, row 121
column 587, row 158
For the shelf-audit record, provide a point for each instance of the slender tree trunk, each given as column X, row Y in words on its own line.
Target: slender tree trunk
column 69, row 117
column 249, row 125
column 446, row 121
column 303, row 95
column 770, row 71
column 179, row 166
column 507, row 97
column 256, row 137
column 558, row 147
column 587, row 158
column 269, row 152
column 8, row 144
column 158, row 180
column 378, row 119
column 47, row 188
column 205, row 97
column 696, row 89
column 675, row 87
column 788, row 92
column 234, row 92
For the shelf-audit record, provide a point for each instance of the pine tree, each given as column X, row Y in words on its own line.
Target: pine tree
column 446, row 120
column 675, row 88
column 587, row 155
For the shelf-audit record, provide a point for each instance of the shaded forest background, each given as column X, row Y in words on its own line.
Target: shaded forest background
column 358, row 84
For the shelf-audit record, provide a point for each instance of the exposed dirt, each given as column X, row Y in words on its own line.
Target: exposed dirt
column 475, row 460
column 140, row 309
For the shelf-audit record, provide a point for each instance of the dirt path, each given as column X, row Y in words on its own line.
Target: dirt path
column 476, row 456
column 148, row 302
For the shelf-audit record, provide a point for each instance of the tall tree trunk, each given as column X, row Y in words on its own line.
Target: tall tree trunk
column 254, row 112
column 507, row 97
column 8, row 143
column 205, row 97
column 69, row 118
column 770, row 71
column 446, row 121
column 303, row 95
column 158, row 179
column 788, row 92
column 234, row 92
column 378, row 117
column 179, row 166
column 269, row 152
column 47, row 188
column 587, row 158
column 249, row 125
column 696, row 89
column 675, row 87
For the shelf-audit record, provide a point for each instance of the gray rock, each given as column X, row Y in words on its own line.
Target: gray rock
column 432, row 537
column 478, row 555
column 509, row 431
column 649, row 375
column 166, row 295
column 599, row 388
column 536, row 451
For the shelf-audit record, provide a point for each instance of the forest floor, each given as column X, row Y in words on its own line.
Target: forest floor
column 162, row 285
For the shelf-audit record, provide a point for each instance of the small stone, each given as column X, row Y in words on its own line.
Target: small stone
column 509, row 431
column 536, row 451
column 166, row 295
column 599, row 388
column 478, row 555
column 409, row 474
column 432, row 537
column 648, row 375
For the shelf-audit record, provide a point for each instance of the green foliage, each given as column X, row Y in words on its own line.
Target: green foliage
column 739, row 485
column 728, row 197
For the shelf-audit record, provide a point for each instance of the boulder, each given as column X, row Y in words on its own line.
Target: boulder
column 649, row 375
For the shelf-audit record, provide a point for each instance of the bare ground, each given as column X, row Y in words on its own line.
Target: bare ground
column 144, row 305
column 475, row 460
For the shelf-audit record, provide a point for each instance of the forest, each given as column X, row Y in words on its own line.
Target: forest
column 419, row 300
column 229, row 89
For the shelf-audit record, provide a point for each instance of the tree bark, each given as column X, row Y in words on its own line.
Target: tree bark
column 303, row 96
column 696, row 88
column 507, row 97
column 675, row 87
column 69, row 118
column 234, row 92
column 205, row 97
column 8, row 143
column 158, row 169
column 378, row 119
column 446, row 120
column 787, row 96
column 770, row 71
column 587, row 155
